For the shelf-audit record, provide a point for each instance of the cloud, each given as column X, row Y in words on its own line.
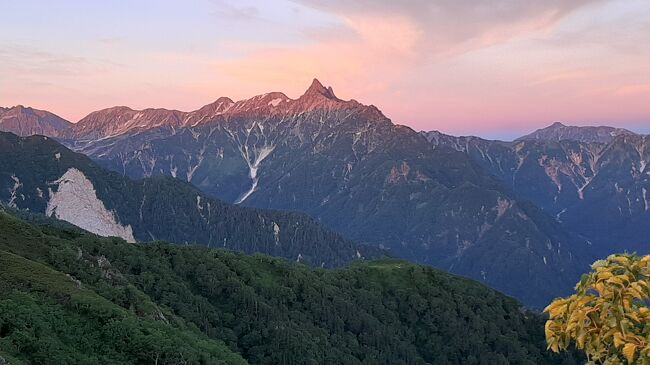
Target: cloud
column 353, row 60
column 379, row 49
column 227, row 11
column 379, row 40
column 452, row 26
column 24, row 60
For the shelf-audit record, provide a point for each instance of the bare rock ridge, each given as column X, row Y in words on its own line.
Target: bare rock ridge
column 25, row 121
column 121, row 120
column 559, row 131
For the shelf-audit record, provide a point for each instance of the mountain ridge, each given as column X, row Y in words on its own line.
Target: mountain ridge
column 27, row 121
column 40, row 175
column 596, row 189
column 120, row 120
column 559, row 131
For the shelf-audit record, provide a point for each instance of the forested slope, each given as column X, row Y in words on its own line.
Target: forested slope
column 75, row 295
column 40, row 175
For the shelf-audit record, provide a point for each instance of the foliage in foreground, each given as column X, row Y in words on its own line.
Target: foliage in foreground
column 126, row 301
column 47, row 318
column 608, row 317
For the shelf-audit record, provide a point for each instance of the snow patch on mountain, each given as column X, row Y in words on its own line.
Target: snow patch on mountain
column 276, row 101
column 276, row 233
column 253, row 158
column 14, row 191
column 191, row 169
column 198, row 203
column 75, row 201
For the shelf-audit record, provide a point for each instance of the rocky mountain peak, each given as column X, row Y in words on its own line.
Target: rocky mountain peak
column 316, row 89
column 218, row 105
column 120, row 119
column 207, row 112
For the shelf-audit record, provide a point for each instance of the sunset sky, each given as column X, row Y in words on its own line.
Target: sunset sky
column 495, row 68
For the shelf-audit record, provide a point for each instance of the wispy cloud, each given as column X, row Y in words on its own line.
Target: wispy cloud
column 451, row 26
column 24, row 60
column 228, row 10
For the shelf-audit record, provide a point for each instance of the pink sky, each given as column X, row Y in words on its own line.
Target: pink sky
column 494, row 68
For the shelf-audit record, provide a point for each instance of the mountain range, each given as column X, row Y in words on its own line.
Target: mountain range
column 488, row 210
column 559, row 132
column 40, row 175
column 596, row 189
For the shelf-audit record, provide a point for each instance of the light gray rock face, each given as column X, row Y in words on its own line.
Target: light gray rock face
column 75, row 201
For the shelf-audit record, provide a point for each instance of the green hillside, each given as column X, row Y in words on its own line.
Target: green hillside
column 69, row 297
column 48, row 318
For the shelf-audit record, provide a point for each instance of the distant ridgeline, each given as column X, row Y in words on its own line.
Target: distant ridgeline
column 71, row 297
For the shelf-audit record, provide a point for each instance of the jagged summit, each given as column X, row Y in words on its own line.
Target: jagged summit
column 119, row 120
column 317, row 89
